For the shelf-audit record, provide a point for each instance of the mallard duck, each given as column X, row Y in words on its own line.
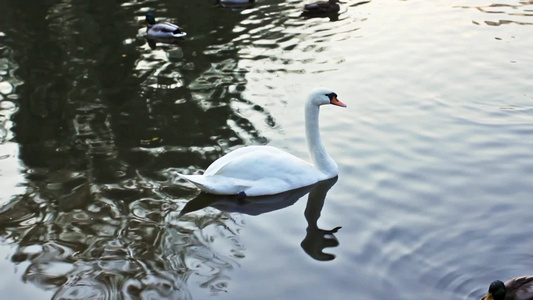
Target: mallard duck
column 266, row 170
column 163, row 30
column 519, row 288
column 322, row 7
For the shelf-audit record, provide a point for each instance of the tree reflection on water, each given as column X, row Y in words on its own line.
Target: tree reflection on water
column 102, row 121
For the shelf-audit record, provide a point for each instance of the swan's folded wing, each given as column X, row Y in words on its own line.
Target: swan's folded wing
column 222, row 161
column 251, row 156
column 217, row 184
column 262, row 162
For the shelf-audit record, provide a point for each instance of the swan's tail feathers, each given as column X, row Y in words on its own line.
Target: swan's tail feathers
column 218, row 185
column 196, row 180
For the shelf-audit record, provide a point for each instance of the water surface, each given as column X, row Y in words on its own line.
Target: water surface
column 434, row 150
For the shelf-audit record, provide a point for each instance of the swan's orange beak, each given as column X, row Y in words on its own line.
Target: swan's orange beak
column 337, row 102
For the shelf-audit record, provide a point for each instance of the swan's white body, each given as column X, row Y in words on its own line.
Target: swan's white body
column 265, row 170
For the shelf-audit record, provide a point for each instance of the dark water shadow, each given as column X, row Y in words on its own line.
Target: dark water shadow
column 152, row 42
column 99, row 118
column 332, row 16
column 316, row 239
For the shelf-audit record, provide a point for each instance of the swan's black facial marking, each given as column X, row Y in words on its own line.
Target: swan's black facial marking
column 331, row 96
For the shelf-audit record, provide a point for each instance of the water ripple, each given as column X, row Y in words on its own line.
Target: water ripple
column 496, row 14
column 435, row 175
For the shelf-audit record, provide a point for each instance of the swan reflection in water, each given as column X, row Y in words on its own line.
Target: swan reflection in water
column 315, row 240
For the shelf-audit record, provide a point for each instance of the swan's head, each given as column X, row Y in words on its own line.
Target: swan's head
column 323, row 96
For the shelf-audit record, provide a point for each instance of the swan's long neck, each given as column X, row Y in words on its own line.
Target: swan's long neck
column 322, row 161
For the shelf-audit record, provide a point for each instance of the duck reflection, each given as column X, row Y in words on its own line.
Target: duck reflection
column 333, row 16
column 316, row 239
column 152, row 42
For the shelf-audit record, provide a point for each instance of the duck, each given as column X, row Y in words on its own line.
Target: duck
column 322, row 7
column 518, row 288
column 163, row 30
column 261, row 170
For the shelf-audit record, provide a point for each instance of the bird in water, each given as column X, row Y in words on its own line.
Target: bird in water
column 322, row 7
column 518, row 288
column 265, row 170
column 162, row 31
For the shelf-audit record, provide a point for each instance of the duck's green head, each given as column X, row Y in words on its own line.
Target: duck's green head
column 150, row 19
column 496, row 291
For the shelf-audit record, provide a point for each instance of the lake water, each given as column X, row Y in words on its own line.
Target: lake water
column 434, row 194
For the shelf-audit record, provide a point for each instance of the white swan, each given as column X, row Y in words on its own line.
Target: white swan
column 265, row 170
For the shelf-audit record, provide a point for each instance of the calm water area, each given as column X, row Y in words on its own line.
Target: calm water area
column 434, row 197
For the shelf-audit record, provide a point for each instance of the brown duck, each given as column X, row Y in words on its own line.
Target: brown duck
column 518, row 288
